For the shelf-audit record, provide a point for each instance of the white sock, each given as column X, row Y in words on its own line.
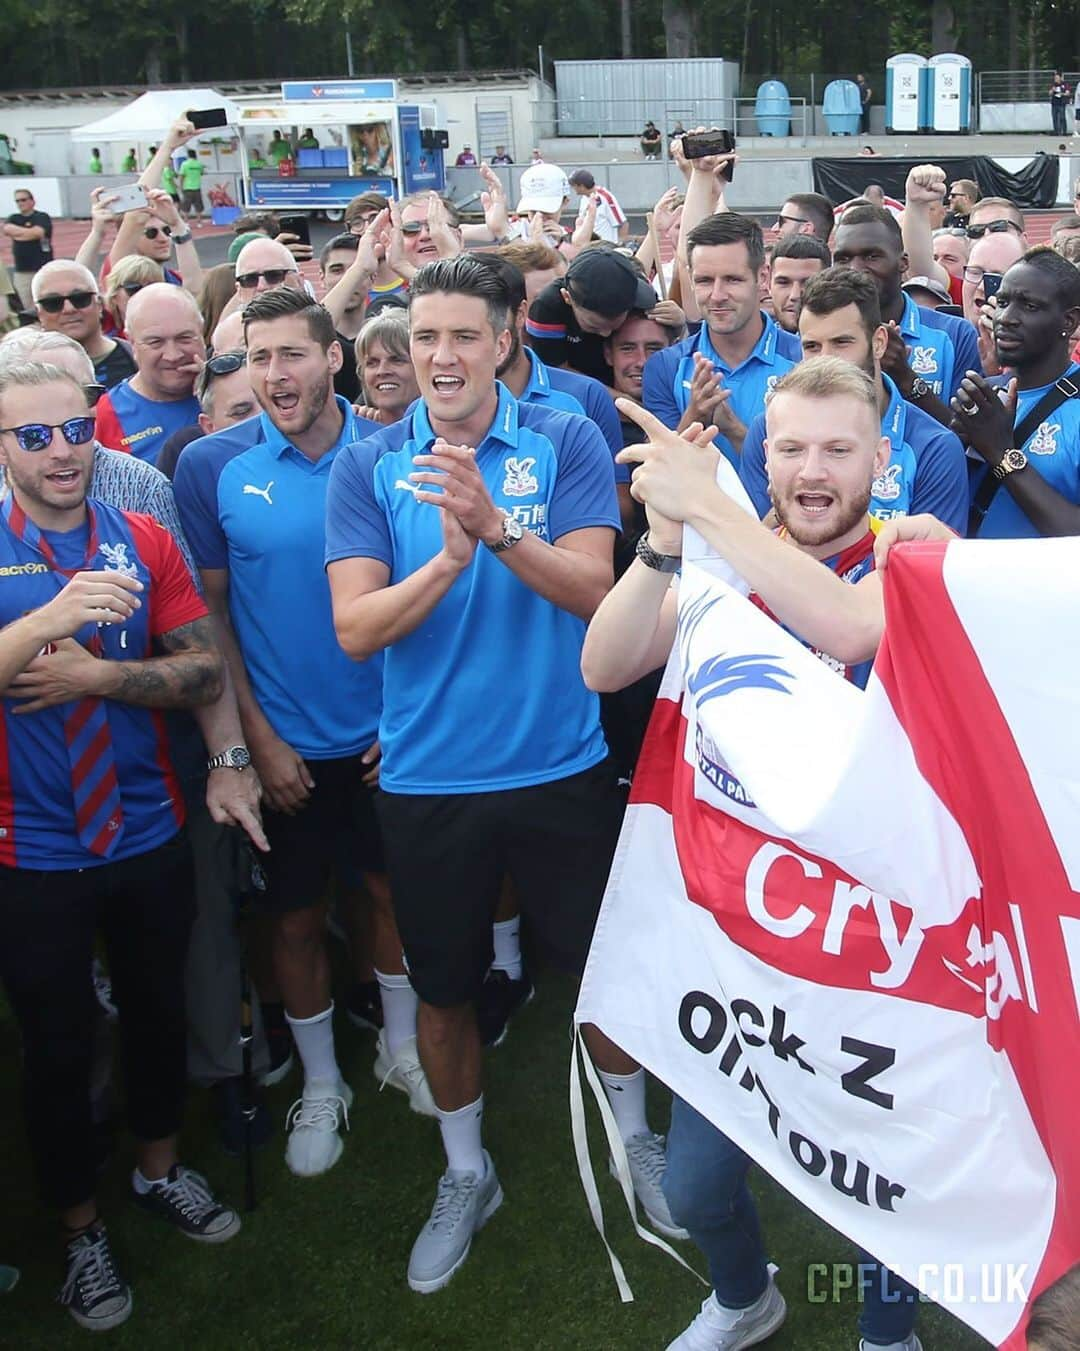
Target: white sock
column 399, row 1005
column 314, row 1039
column 461, row 1137
column 506, row 938
column 143, row 1184
column 626, row 1093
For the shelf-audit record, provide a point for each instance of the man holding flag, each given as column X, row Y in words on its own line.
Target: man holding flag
column 815, row 575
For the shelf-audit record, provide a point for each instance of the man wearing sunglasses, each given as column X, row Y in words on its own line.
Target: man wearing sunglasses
column 141, row 413
column 104, row 628
column 995, row 215
column 255, row 514
column 30, row 232
column 67, row 301
column 154, row 234
column 263, row 264
column 807, row 213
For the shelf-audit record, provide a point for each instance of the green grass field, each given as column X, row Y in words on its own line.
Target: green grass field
column 321, row 1263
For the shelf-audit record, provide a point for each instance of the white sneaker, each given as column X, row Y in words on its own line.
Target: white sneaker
column 910, row 1343
column 463, row 1205
column 313, row 1123
column 405, row 1073
column 647, row 1157
column 719, row 1329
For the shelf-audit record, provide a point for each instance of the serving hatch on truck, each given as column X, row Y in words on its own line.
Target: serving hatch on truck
column 321, row 144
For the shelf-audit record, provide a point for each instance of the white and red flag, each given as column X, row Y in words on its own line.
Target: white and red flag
column 845, row 924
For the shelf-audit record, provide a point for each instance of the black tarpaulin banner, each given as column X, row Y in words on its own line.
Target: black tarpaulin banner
column 1034, row 186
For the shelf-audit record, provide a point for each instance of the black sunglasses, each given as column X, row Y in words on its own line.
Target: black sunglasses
column 80, row 300
column 247, row 281
column 782, row 220
column 132, row 288
column 93, row 393
column 152, row 231
column 34, row 436
column 226, row 363
column 995, row 227
column 411, row 227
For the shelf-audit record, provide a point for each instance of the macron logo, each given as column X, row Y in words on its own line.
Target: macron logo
column 260, row 492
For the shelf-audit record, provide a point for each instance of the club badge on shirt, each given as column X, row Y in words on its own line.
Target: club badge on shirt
column 520, row 481
column 1044, row 440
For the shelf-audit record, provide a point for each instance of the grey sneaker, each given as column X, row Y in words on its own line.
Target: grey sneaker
column 719, row 1329
column 910, row 1343
column 647, row 1157
column 463, row 1204
column 93, row 1291
column 186, row 1201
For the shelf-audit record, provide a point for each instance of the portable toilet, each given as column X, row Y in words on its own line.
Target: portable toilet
column 842, row 108
column 949, row 96
column 906, row 107
column 772, row 109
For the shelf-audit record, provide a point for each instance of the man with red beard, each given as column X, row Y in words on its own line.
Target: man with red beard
column 815, row 576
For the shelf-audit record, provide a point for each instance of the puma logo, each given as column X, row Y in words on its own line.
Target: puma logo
column 260, row 492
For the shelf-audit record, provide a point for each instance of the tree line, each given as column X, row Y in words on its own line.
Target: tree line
column 66, row 43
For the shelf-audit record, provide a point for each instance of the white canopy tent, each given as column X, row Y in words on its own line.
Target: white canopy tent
column 152, row 114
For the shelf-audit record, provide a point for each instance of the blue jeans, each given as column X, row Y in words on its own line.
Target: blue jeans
column 706, row 1191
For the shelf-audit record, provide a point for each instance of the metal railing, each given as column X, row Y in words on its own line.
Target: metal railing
column 1019, row 86
column 602, row 118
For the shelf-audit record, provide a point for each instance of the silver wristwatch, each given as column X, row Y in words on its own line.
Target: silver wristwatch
column 658, row 562
column 512, row 532
column 234, row 757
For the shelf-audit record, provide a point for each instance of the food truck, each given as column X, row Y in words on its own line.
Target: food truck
column 321, row 144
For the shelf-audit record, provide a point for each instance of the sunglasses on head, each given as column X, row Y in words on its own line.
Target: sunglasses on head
column 152, row 231
column 34, row 436
column 80, row 300
column 247, row 281
column 226, row 362
column 950, row 231
column 994, row 227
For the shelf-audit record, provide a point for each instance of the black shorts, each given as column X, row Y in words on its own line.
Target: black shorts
column 448, row 853
column 336, row 832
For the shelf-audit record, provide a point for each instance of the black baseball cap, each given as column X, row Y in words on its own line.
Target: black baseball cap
column 607, row 283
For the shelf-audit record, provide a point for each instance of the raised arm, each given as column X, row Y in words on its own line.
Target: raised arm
column 925, row 188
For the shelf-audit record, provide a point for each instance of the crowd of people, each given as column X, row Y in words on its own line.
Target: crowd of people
column 253, row 577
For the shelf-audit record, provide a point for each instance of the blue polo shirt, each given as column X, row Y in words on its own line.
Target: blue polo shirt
column 666, row 387
column 558, row 387
column 942, row 348
column 926, row 469
column 486, row 693
column 1053, row 450
column 259, row 510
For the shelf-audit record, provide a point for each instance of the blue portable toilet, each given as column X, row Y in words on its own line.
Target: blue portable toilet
column 842, row 107
column 949, row 96
column 906, row 107
column 772, row 109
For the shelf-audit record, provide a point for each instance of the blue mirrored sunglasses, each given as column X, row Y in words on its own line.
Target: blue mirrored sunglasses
column 34, row 436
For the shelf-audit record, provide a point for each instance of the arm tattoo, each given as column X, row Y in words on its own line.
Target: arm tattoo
column 187, row 676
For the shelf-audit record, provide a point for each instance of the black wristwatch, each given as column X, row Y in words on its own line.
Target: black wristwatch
column 234, row 757
column 920, row 388
column 657, row 561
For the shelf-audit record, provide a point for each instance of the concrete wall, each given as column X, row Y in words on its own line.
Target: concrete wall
column 759, row 186
column 997, row 117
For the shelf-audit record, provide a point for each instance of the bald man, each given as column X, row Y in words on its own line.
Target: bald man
column 262, row 265
column 164, row 327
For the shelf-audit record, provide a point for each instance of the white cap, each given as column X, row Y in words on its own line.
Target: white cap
column 544, row 187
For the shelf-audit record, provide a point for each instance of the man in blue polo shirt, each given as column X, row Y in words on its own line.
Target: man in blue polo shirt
column 1022, row 491
column 926, row 472
column 929, row 352
column 255, row 519
column 141, row 413
column 472, row 540
column 722, row 374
